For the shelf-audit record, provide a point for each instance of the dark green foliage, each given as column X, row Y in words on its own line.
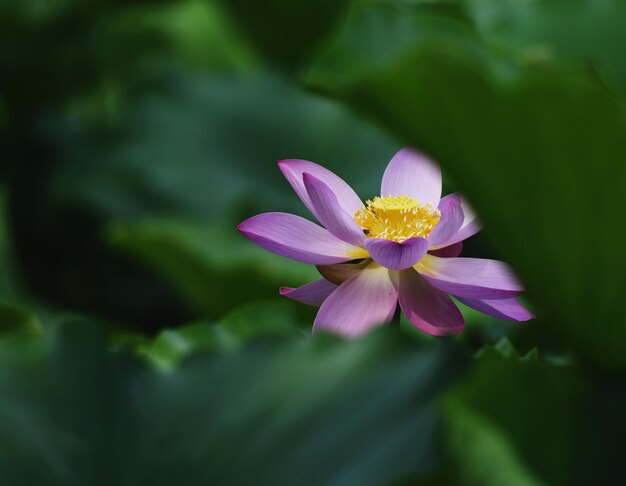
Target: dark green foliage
column 277, row 410
column 284, row 31
column 142, row 340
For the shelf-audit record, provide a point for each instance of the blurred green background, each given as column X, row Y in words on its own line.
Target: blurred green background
column 142, row 340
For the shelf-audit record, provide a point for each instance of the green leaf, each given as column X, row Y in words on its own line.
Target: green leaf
column 201, row 35
column 15, row 319
column 286, row 31
column 504, row 347
column 20, row 336
column 482, row 452
column 544, row 30
column 183, row 153
column 261, row 319
column 288, row 411
column 516, row 421
column 172, row 345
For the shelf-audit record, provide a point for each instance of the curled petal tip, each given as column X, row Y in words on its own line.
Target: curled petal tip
column 246, row 227
column 283, row 166
column 507, row 309
column 528, row 317
column 241, row 226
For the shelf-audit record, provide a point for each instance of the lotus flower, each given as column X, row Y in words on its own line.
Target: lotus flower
column 401, row 247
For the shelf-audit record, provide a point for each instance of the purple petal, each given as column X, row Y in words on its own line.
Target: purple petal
column 451, row 251
column 427, row 308
column 412, row 173
column 394, row 255
column 341, row 272
column 468, row 211
column 469, row 229
column 313, row 293
column 474, row 278
column 359, row 304
column 297, row 238
column 293, row 170
column 507, row 309
column 471, row 225
column 450, row 222
column 330, row 213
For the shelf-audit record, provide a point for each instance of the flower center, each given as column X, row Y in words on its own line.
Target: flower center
column 396, row 218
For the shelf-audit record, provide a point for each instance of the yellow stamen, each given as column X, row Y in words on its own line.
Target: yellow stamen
column 396, row 218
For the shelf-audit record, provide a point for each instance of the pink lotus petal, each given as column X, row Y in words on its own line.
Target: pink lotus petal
column 450, row 222
column 427, row 308
column 507, row 309
column 468, row 211
column 470, row 229
column 364, row 301
column 450, row 251
column 473, row 278
column 412, row 173
column 314, row 293
column 471, row 225
column 394, row 255
column 293, row 170
column 296, row 238
column 330, row 213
